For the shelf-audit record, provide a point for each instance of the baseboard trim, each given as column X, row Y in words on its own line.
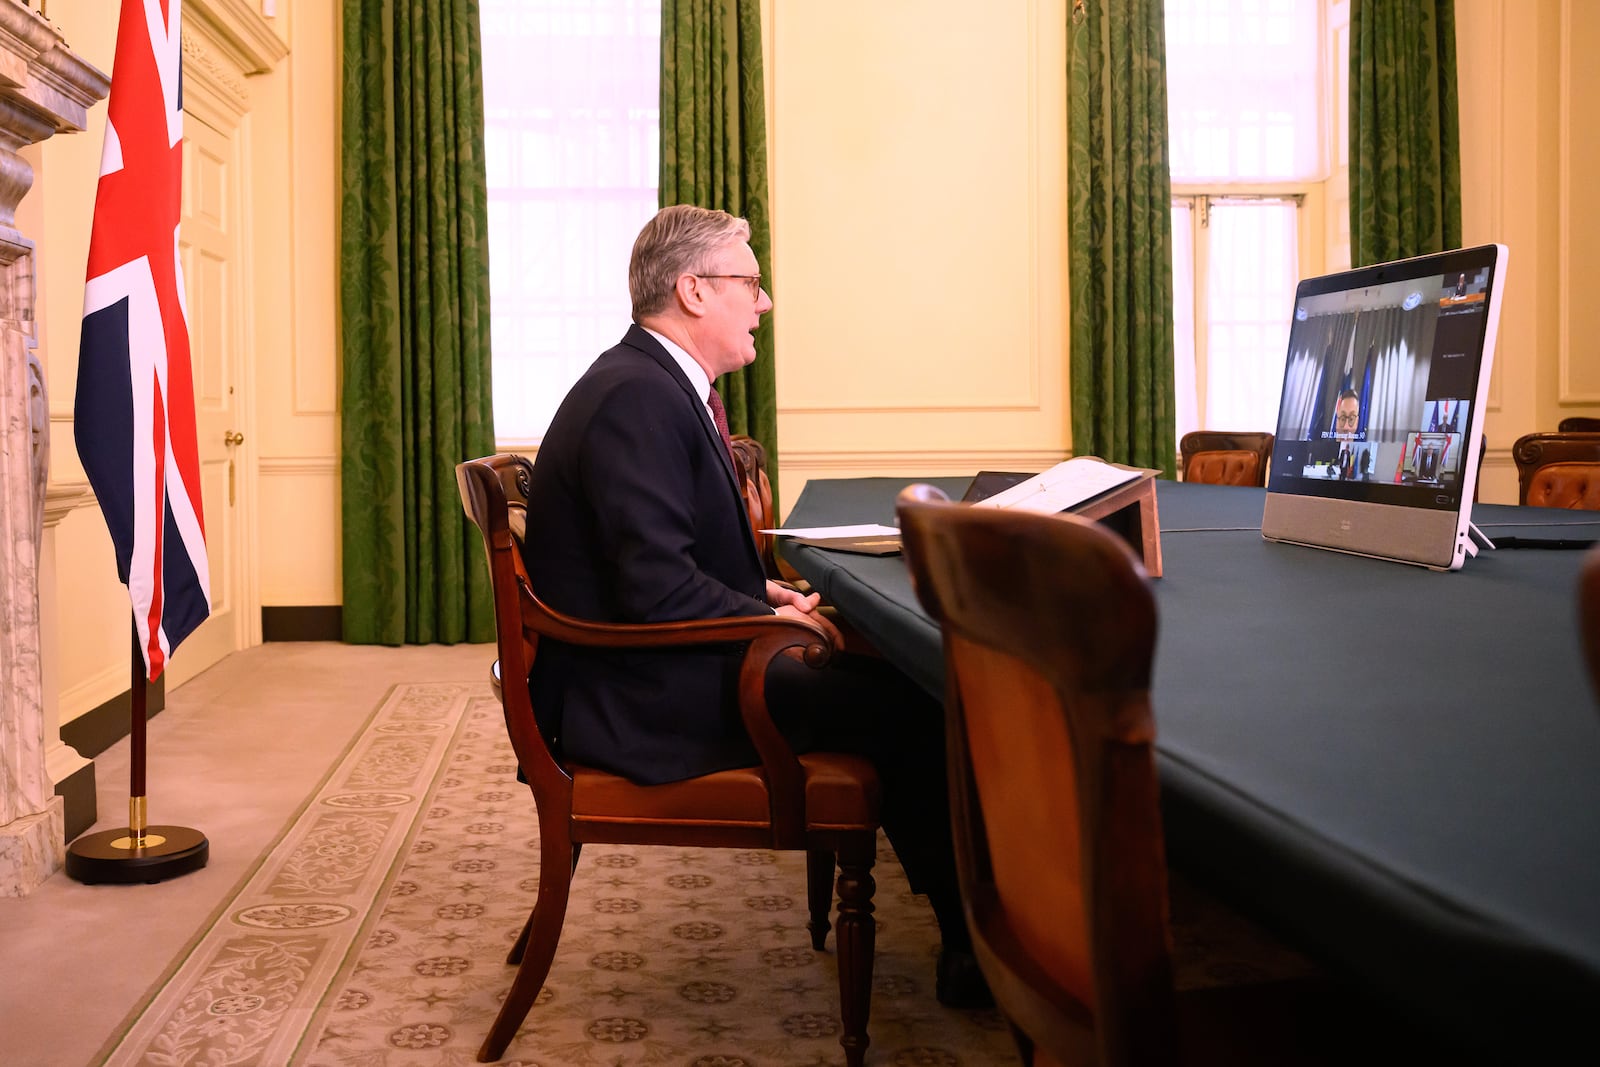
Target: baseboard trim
column 99, row 728
column 80, row 807
column 319, row 622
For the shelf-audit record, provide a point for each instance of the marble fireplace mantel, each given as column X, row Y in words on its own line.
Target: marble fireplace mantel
column 44, row 89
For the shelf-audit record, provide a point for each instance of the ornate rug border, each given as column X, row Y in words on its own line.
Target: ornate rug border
column 392, row 720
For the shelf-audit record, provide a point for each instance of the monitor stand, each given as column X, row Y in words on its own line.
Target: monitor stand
column 1476, row 537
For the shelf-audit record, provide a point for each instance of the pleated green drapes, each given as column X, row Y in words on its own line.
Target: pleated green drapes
column 1120, row 234
column 414, row 321
column 714, row 154
column 1405, row 143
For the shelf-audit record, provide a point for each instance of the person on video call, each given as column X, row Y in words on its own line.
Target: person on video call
column 1346, row 415
column 1336, row 448
column 635, row 517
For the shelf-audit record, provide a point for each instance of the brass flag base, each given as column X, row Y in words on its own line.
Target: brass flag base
column 141, row 852
column 114, row 855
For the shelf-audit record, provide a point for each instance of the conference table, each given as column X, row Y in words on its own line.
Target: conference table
column 1396, row 769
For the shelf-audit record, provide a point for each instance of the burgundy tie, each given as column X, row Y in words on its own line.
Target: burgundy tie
column 719, row 415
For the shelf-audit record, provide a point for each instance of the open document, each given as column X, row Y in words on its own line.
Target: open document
column 1064, row 486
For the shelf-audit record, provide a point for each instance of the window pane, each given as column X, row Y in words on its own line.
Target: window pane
column 1242, row 99
column 1183, row 316
column 1251, row 278
column 571, row 131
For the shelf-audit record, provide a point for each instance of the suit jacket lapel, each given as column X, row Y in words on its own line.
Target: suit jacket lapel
column 638, row 337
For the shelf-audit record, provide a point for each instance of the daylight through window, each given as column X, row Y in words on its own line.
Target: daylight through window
column 571, row 130
column 1247, row 138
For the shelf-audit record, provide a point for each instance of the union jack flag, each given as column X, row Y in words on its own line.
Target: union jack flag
column 133, row 419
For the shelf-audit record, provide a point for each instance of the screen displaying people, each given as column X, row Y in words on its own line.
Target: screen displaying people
column 1379, row 382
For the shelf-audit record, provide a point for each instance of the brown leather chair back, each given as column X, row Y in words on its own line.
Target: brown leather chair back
column 750, row 460
column 1228, row 467
column 1558, row 470
column 1565, row 485
column 1049, row 631
column 1219, row 457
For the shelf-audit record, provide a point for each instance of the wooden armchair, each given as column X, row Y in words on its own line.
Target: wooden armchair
column 1558, row 470
column 1049, row 634
column 750, row 458
column 1217, row 457
column 750, row 461
column 824, row 803
column 1579, row 424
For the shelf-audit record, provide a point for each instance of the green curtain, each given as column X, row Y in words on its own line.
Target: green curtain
column 714, row 154
column 1405, row 143
column 1119, row 195
column 414, row 321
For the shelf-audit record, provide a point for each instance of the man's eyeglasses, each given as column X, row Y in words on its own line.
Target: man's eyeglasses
column 752, row 282
column 1347, row 419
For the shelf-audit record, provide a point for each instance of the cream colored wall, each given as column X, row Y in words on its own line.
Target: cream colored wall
column 297, row 365
column 1530, row 162
column 918, row 171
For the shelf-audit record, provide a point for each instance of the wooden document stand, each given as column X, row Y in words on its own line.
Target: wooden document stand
column 1129, row 510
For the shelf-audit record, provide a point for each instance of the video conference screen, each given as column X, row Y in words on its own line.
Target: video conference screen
column 1379, row 386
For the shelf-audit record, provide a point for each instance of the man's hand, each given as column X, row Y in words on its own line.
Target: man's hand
column 787, row 601
column 779, row 594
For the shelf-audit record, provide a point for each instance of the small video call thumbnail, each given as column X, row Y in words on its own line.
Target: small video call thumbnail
column 1432, row 453
column 1465, row 288
column 1345, row 461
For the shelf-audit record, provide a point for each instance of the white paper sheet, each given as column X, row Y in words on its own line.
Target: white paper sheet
column 866, row 530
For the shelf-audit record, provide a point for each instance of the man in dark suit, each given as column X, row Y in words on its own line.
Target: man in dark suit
column 634, row 515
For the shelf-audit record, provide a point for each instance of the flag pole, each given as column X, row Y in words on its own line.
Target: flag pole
column 137, row 698
column 139, row 853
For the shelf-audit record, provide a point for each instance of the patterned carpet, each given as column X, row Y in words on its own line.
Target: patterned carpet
column 374, row 933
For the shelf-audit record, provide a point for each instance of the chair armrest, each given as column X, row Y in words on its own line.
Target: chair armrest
column 765, row 637
column 790, row 631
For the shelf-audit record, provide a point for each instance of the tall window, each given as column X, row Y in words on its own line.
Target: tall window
column 1248, row 148
column 571, row 128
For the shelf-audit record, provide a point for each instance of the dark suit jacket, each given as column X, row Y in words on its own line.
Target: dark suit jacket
column 634, row 516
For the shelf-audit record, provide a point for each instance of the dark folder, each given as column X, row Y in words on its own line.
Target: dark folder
column 988, row 483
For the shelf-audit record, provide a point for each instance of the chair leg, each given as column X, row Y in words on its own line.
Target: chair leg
column 514, row 957
column 538, row 942
column 1023, row 1042
column 819, row 894
column 857, row 937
